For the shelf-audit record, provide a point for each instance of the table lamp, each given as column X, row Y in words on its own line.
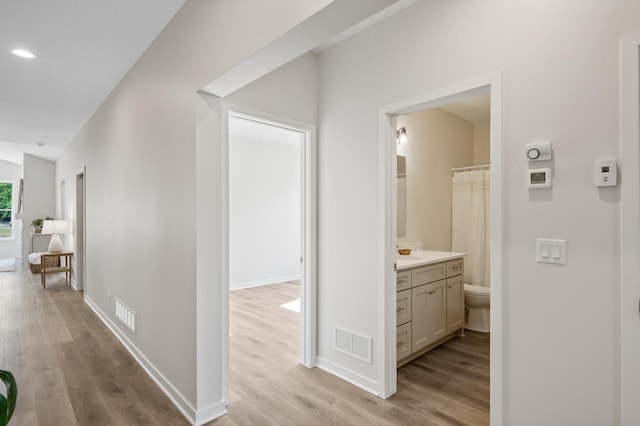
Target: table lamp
column 55, row 227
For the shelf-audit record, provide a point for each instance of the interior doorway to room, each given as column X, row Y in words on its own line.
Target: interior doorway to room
column 390, row 118
column 269, row 258
column 80, row 257
column 443, row 217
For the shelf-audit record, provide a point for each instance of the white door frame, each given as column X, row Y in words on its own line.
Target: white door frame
column 308, row 291
column 630, row 229
column 81, row 257
column 388, row 217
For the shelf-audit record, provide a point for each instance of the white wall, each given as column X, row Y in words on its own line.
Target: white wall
column 438, row 142
column 560, row 64
column 139, row 150
column 481, row 142
column 39, row 199
column 11, row 247
column 264, row 212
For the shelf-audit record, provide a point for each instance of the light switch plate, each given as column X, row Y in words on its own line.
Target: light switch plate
column 551, row 251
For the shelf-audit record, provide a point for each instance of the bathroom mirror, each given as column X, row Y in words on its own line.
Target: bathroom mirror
column 402, row 196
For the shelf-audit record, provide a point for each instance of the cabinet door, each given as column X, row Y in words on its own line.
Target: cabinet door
column 428, row 319
column 403, row 341
column 403, row 307
column 455, row 303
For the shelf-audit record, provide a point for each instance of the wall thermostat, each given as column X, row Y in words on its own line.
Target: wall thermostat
column 539, row 178
column 539, row 151
column 606, row 173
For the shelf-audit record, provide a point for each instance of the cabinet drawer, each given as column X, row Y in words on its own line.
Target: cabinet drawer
column 403, row 307
column 403, row 341
column 455, row 267
column 403, row 280
column 428, row 274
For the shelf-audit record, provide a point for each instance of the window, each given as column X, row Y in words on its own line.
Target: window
column 6, row 203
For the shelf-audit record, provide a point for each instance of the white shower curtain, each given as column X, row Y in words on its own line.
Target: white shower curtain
column 470, row 223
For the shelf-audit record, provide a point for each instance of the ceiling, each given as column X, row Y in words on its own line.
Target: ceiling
column 475, row 110
column 83, row 49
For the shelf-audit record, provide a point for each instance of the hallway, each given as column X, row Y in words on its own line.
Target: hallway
column 70, row 369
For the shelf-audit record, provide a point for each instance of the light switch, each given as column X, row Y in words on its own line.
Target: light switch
column 544, row 250
column 551, row 251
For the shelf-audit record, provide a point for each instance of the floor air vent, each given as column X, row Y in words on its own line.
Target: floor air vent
column 356, row 345
column 126, row 315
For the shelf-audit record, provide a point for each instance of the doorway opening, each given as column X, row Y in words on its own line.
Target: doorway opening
column 443, row 220
column 271, row 240
column 630, row 229
column 391, row 117
column 80, row 257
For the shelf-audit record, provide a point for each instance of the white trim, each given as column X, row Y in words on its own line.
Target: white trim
column 268, row 281
column 82, row 172
column 347, row 375
column 308, row 315
column 387, row 228
column 187, row 410
column 210, row 413
column 629, row 230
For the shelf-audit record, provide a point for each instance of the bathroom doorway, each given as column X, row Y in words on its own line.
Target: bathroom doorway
column 390, row 117
column 443, row 193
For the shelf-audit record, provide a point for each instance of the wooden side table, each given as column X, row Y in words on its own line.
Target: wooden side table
column 68, row 257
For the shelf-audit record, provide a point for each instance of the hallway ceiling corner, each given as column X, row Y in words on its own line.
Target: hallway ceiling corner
column 83, row 50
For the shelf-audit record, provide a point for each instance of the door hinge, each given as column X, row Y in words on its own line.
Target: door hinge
column 301, row 259
column 395, row 266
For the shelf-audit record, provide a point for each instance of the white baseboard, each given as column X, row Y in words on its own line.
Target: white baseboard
column 258, row 283
column 348, row 375
column 191, row 414
column 210, row 413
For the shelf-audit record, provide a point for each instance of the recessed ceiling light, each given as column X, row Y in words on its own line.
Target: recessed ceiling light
column 23, row 53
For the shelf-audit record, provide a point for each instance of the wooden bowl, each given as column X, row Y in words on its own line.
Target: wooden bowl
column 404, row 252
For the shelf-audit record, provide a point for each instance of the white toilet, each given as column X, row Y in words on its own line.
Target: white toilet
column 476, row 301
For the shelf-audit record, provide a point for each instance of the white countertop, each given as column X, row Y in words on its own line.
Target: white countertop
column 424, row 257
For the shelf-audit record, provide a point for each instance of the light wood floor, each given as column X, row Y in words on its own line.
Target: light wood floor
column 447, row 386
column 72, row 371
column 69, row 368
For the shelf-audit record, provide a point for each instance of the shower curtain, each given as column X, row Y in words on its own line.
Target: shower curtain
column 470, row 223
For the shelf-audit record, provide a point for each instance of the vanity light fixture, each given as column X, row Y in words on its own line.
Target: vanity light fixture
column 23, row 53
column 401, row 136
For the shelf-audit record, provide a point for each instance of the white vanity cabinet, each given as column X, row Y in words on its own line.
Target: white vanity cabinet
column 430, row 305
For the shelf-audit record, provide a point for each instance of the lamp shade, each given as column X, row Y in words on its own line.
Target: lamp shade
column 55, row 227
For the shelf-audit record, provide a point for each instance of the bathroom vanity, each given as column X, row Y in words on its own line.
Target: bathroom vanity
column 430, row 301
